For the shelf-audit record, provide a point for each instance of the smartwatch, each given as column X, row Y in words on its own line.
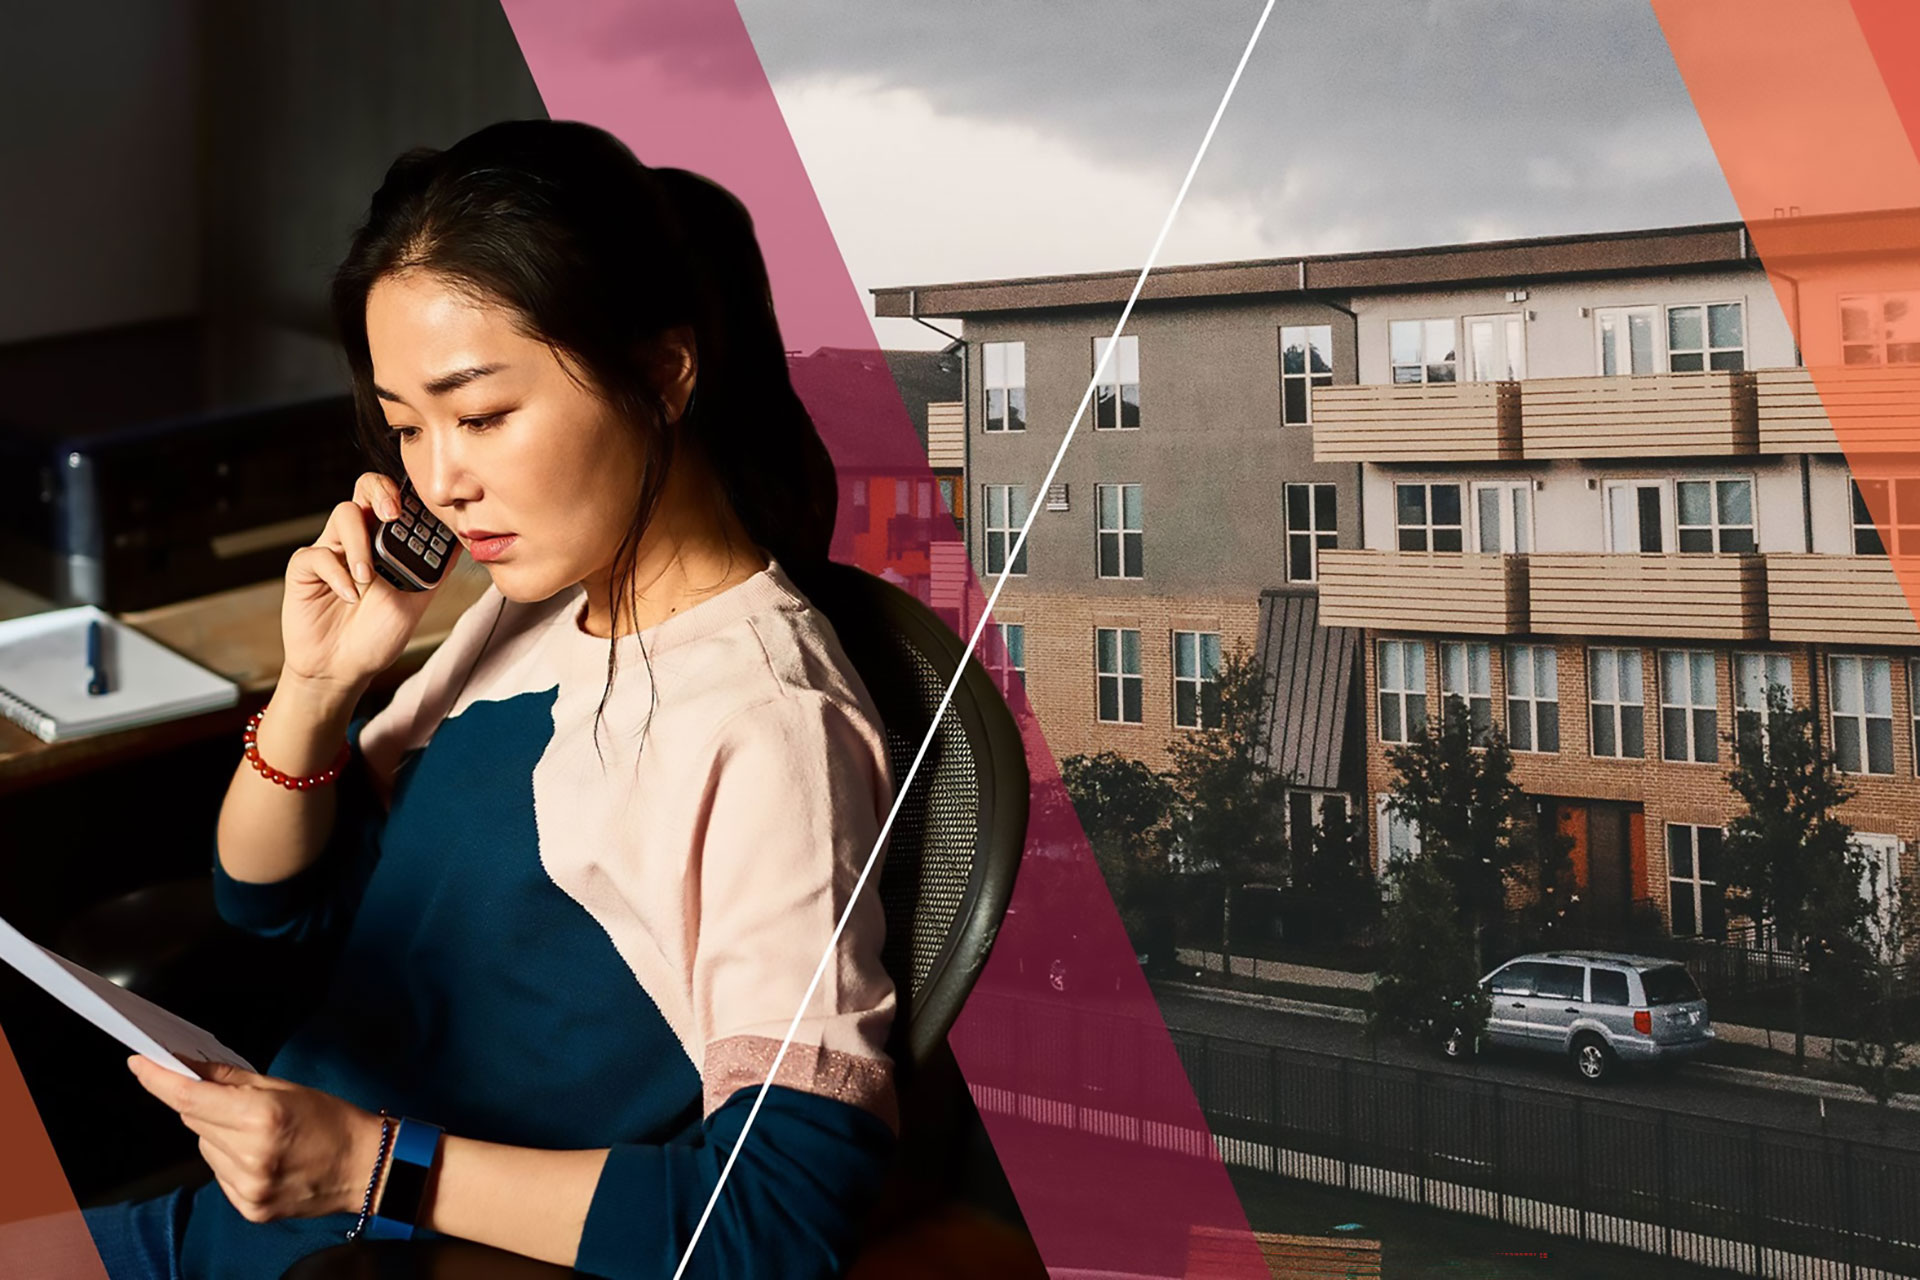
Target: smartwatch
column 416, row 1148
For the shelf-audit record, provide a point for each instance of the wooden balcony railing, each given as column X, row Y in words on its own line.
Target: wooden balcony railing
column 1876, row 408
column 1440, row 591
column 1683, row 597
column 1648, row 415
column 1824, row 599
column 1442, row 422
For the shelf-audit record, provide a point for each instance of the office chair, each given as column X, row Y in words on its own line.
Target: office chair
column 952, row 855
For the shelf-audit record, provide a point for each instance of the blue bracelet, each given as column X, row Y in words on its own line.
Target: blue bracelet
column 416, row 1149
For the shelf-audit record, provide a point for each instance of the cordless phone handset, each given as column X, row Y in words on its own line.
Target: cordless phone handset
column 412, row 550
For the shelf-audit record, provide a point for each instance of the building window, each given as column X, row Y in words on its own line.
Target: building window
column 1399, row 837
column 1466, row 677
column 903, row 497
column 1306, row 362
column 1496, row 347
column 1196, row 685
column 1311, row 529
column 1715, row 515
column 1120, row 530
column 1011, row 655
column 1116, row 396
column 1118, row 655
column 1862, row 695
column 1689, row 711
column 1754, row 675
column 1402, row 667
column 1503, row 516
column 1616, row 703
column 1427, row 517
column 1533, row 697
column 1913, row 703
column 1695, row 898
column 1899, row 498
column 1307, row 812
column 949, row 490
column 1006, row 512
column 1636, row 516
column 1713, row 336
column 1879, row 328
column 860, row 492
column 1004, row 370
column 1422, row 351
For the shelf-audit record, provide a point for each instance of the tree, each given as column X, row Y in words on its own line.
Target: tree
column 1787, row 860
column 1888, row 1026
column 1429, row 981
column 1123, row 804
column 1477, row 827
column 1228, row 804
column 1333, row 873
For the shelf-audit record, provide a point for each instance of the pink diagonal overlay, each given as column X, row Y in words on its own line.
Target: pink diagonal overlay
column 1084, row 1096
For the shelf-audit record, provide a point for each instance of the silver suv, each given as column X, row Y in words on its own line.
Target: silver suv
column 1599, row 1008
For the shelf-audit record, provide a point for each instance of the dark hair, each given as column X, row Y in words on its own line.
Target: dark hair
column 598, row 255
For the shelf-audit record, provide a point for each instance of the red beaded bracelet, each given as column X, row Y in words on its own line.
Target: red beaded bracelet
column 287, row 780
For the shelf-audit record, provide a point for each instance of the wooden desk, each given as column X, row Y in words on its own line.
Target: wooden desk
column 235, row 633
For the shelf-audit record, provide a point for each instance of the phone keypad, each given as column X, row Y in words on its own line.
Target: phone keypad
column 414, row 546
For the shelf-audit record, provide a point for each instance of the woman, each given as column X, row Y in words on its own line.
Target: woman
column 588, row 858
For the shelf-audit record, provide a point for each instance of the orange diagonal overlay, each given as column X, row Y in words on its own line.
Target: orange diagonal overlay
column 1803, row 101
column 42, row 1236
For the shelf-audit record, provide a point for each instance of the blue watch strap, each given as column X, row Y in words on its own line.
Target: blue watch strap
column 415, row 1148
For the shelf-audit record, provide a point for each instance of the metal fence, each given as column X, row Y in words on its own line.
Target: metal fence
column 1746, row 1198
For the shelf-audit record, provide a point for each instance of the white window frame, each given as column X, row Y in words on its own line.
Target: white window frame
column 1754, row 673
column 1847, row 682
column 1632, row 485
column 1697, row 884
column 1513, row 533
column 1316, row 538
column 1525, row 705
column 1123, row 535
column 1877, row 346
column 1706, row 351
column 1903, row 515
column 1881, row 852
column 1430, row 531
column 1122, row 372
column 1474, row 662
column 1011, row 655
column 1618, row 706
column 1003, row 368
column 1011, row 496
column 1718, row 526
column 1387, row 824
column 1657, row 327
column 1206, row 671
column 1401, row 693
column 1315, row 811
column 1403, row 373
column 1509, row 362
column 1309, row 377
column 1120, row 675
column 1690, row 709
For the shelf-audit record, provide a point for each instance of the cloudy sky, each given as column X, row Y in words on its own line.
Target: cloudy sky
column 984, row 138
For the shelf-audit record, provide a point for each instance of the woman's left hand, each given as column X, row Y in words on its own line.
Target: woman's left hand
column 279, row 1150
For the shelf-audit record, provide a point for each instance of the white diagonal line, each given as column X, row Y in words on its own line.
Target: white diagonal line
column 1001, row 581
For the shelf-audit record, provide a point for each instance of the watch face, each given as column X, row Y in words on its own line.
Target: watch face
column 412, row 550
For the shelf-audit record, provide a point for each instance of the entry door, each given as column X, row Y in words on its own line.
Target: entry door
column 1496, row 348
column 1503, row 516
column 1636, row 516
column 1629, row 339
column 1609, row 888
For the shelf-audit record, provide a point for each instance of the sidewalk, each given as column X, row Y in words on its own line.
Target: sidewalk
column 1247, row 968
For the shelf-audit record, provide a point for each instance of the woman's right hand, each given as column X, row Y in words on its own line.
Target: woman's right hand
column 341, row 623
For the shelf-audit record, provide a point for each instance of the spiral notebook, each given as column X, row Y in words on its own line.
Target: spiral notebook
column 44, row 672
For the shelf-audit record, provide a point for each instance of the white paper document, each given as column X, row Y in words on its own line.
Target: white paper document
column 139, row 1024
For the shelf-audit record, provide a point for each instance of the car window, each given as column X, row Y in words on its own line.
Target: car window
column 1609, row 986
column 1561, row 982
column 1669, row 984
column 1515, row 979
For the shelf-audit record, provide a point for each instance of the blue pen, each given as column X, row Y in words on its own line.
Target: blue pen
column 96, row 669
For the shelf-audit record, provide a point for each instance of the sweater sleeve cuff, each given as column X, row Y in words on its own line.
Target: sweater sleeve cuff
column 810, row 1171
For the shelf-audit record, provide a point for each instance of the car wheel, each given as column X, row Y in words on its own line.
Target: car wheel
column 1593, row 1059
column 1456, row 1044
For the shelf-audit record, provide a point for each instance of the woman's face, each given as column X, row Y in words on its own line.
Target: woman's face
column 498, row 440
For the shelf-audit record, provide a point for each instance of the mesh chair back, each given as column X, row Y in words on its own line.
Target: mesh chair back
column 955, row 843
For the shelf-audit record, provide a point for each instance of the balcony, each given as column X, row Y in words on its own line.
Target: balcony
column 1822, row 599
column 1453, row 592
column 1650, row 415
column 946, row 435
column 1442, row 422
column 1683, row 597
column 1877, row 409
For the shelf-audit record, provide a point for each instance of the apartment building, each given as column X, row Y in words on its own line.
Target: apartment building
column 1587, row 484
column 1187, row 517
column 1603, row 505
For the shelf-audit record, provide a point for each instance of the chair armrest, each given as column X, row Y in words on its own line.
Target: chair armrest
column 439, row 1259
